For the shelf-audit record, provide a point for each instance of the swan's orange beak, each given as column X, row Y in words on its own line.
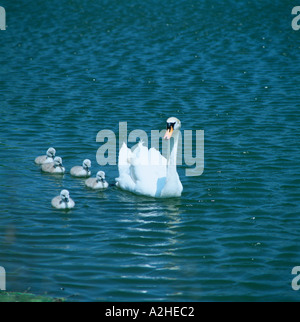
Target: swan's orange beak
column 169, row 133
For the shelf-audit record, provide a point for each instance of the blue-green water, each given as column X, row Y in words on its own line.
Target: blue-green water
column 69, row 69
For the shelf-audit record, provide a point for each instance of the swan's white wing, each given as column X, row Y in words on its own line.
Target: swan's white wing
column 41, row 159
column 125, row 155
column 144, row 172
column 158, row 162
column 147, row 169
column 124, row 180
column 151, row 158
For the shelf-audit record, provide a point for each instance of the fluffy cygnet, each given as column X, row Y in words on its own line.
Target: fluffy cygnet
column 48, row 158
column 55, row 167
column 82, row 171
column 63, row 201
column 98, row 182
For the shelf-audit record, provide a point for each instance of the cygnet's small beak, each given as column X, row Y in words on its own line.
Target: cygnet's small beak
column 64, row 199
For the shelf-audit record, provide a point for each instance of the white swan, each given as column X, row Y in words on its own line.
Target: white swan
column 55, row 167
column 48, row 158
column 147, row 172
column 82, row 171
column 97, row 183
column 63, row 201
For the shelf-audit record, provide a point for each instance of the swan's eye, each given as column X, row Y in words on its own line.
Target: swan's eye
column 170, row 125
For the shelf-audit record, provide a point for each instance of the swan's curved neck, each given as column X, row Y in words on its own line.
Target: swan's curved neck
column 172, row 149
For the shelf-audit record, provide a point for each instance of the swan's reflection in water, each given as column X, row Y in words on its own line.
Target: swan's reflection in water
column 151, row 237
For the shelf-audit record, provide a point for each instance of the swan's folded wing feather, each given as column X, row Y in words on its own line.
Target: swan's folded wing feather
column 144, row 171
column 124, row 155
column 138, row 159
column 147, row 165
column 158, row 163
column 124, row 181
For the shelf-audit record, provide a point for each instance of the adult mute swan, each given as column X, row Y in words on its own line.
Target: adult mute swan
column 147, row 172
column 63, row 201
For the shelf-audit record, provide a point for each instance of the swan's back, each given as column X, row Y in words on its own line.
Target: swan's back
column 125, row 181
column 141, row 171
column 93, row 183
column 43, row 159
column 79, row 171
column 50, row 168
column 40, row 160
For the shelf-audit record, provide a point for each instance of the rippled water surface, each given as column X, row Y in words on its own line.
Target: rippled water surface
column 69, row 69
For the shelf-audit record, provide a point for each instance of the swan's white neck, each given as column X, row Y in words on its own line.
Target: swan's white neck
column 172, row 150
column 173, row 185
